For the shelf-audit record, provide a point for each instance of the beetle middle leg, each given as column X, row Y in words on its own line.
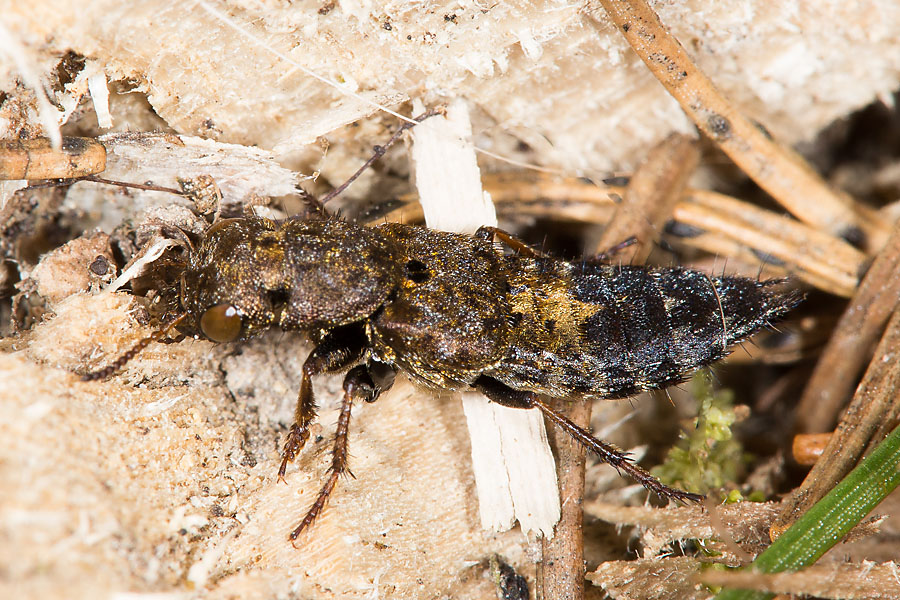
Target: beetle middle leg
column 358, row 384
column 488, row 233
column 340, row 349
column 604, row 255
column 507, row 396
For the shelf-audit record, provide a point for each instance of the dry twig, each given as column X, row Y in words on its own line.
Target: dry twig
column 778, row 170
column 866, row 581
column 875, row 408
column 851, row 342
column 651, row 197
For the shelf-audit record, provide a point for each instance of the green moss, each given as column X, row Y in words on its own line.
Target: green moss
column 706, row 457
column 735, row 496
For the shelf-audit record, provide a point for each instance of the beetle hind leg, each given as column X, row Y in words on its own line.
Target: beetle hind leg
column 489, row 234
column 608, row 453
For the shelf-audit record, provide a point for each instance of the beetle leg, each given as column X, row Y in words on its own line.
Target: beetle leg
column 340, row 349
column 383, row 375
column 488, row 233
column 379, row 151
column 607, row 254
column 358, row 384
column 608, row 453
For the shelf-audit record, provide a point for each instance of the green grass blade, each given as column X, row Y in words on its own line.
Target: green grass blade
column 829, row 520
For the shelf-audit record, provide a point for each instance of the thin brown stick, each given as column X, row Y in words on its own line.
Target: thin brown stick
column 562, row 557
column 777, row 169
column 851, row 343
column 649, row 199
column 875, row 406
column 37, row 158
column 833, row 580
column 817, row 258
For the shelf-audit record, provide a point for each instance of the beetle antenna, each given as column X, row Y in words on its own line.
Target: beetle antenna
column 313, row 204
column 128, row 355
column 123, row 184
column 379, row 151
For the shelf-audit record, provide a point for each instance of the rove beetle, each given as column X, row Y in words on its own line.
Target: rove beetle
column 458, row 312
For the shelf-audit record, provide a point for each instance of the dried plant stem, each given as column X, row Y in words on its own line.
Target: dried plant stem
column 856, row 333
column 817, row 258
column 778, row 170
column 650, row 198
column 875, row 406
column 849, row 580
column 562, row 556
column 39, row 159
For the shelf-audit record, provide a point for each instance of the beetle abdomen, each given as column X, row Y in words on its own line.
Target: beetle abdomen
column 611, row 331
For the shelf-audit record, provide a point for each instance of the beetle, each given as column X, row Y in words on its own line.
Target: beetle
column 459, row 312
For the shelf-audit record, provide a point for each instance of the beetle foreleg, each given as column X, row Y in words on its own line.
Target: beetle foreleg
column 340, row 349
column 358, row 385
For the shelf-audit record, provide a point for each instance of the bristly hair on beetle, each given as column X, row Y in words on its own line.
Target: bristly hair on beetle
column 459, row 312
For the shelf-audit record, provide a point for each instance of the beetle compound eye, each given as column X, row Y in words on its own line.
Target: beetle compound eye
column 221, row 323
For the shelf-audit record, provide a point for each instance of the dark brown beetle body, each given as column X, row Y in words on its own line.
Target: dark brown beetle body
column 296, row 275
column 448, row 321
column 457, row 312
